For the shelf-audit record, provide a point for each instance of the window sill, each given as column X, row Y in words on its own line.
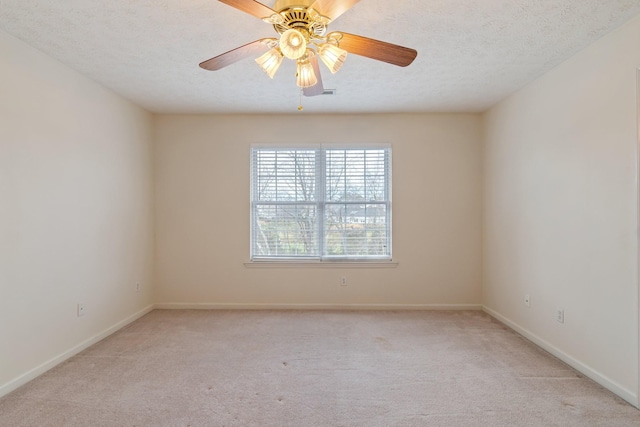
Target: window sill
column 321, row 264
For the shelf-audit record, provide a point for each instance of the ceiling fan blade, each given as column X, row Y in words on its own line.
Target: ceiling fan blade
column 318, row 88
column 375, row 49
column 251, row 49
column 332, row 8
column 251, row 7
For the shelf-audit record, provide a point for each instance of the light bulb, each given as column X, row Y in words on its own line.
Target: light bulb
column 293, row 44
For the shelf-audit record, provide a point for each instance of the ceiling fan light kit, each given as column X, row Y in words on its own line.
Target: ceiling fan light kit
column 302, row 26
column 305, row 75
column 270, row 61
column 293, row 43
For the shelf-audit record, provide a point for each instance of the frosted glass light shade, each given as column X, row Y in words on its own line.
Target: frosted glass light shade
column 293, row 44
column 270, row 62
column 305, row 76
column 332, row 56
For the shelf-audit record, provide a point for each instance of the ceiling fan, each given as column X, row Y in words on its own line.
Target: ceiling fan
column 303, row 37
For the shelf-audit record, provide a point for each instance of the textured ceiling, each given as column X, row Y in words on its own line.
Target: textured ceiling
column 471, row 53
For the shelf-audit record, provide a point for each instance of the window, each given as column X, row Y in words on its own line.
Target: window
column 321, row 203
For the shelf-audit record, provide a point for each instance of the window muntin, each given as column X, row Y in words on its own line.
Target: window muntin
column 321, row 203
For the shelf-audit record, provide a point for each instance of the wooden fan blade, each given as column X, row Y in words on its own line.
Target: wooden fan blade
column 318, row 88
column 251, row 49
column 375, row 49
column 251, row 7
column 332, row 8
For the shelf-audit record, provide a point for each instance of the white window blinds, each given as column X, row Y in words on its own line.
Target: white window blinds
column 321, row 203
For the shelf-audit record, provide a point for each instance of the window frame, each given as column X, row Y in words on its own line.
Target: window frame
column 321, row 203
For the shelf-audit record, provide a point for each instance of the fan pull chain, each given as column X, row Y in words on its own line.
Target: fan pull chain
column 300, row 107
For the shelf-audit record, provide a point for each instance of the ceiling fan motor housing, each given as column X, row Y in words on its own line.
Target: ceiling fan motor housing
column 296, row 15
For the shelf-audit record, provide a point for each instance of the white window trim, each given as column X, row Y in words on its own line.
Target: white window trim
column 321, row 261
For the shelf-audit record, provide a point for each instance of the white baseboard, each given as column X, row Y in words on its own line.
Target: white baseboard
column 596, row 376
column 39, row 370
column 270, row 306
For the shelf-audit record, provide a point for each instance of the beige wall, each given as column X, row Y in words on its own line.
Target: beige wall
column 202, row 208
column 75, row 211
column 560, row 210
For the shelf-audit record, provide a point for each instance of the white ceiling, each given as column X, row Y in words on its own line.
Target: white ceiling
column 471, row 53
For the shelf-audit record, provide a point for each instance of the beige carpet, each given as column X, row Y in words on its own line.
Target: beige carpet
column 314, row 368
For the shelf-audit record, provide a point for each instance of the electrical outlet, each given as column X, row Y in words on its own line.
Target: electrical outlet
column 560, row 315
column 137, row 287
column 80, row 310
column 343, row 281
column 527, row 300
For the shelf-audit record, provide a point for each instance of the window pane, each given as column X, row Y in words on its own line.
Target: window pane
column 356, row 175
column 356, row 230
column 285, row 230
column 284, row 175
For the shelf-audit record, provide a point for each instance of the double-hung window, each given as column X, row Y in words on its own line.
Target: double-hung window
column 321, row 203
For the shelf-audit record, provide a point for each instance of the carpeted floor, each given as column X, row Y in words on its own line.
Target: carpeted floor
column 314, row 368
